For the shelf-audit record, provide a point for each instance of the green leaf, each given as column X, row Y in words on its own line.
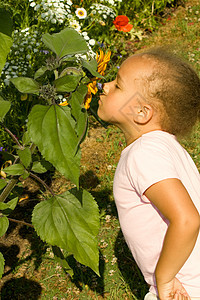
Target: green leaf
column 40, row 72
column 25, row 175
column 2, row 263
column 38, row 167
column 12, row 203
column 3, row 206
column 52, row 129
column 72, row 71
column 67, row 83
column 3, row 183
column 26, row 138
column 67, row 42
column 26, row 85
column 6, row 22
column 16, row 169
column 71, row 222
column 78, row 98
column 79, row 113
column 25, row 156
column 8, row 207
column 4, row 223
column 6, row 43
column 91, row 66
column 4, row 108
column 61, row 259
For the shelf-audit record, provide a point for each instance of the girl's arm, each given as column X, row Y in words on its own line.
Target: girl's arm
column 174, row 202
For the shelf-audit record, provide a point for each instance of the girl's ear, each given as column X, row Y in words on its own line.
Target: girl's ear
column 143, row 114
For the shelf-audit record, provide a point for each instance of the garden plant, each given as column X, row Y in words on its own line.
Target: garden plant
column 51, row 68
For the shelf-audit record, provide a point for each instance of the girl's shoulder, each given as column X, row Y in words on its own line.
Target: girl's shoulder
column 155, row 141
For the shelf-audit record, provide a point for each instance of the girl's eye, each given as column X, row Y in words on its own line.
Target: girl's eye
column 116, row 85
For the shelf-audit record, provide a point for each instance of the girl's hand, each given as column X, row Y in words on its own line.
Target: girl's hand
column 172, row 290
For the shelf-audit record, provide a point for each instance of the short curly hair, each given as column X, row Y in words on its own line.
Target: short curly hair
column 176, row 86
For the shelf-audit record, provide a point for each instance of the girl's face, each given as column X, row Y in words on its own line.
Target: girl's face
column 122, row 97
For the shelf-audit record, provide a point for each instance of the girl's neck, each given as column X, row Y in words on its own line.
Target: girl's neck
column 133, row 136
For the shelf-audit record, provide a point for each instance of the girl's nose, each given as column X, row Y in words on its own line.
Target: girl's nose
column 105, row 87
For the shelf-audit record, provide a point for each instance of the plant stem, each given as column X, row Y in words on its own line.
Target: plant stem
column 11, row 184
column 21, row 222
column 12, row 135
column 42, row 182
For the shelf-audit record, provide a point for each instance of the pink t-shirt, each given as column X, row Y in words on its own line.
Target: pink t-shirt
column 153, row 157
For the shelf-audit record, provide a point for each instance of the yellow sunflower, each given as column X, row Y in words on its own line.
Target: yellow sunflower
column 102, row 61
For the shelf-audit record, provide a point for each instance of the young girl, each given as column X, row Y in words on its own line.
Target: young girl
column 154, row 98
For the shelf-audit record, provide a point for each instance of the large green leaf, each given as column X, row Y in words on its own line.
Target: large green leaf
column 2, row 263
column 6, row 22
column 71, row 222
column 26, row 85
column 4, row 108
column 67, row 83
column 4, row 223
column 67, row 42
column 5, row 44
column 51, row 128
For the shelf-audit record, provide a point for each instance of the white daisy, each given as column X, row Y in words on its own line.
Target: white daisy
column 81, row 13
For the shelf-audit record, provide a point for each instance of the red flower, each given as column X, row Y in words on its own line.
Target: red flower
column 122, row 23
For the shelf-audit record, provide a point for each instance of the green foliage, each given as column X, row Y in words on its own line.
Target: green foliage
column 5, row 45
column 25, row 156
column 70, row 221
column 6, row 22
column 4, row 108
column 65, row 42
column 66, row 83
column 16, row 169
column 51, row 128
column 5, row 32
column 2, row 263
column 4, row 223
column 26, row 85
column 3, row 183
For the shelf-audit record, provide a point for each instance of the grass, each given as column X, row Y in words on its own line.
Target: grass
column 35, row 275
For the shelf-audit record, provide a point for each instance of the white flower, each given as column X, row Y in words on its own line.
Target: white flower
column 37, row 7
column 86, row 37
column 92, row 42
column 25, row 30
column 69, row 2
column 81, row 13
column 33, row 4
column 6, row 81
column 74, row 24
